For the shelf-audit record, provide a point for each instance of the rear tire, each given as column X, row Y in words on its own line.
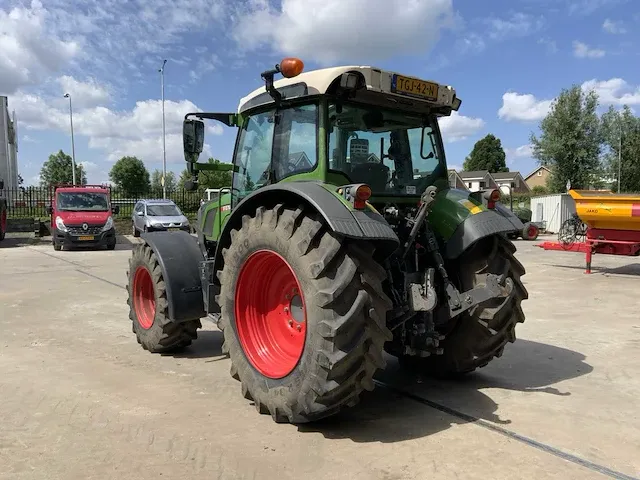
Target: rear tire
column 148, row 306
column 530, row 231
column 341, row 313
column 481, row 333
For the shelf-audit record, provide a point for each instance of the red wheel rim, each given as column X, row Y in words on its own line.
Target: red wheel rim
column 270, row 314
column 144, row 299
column 531, row 232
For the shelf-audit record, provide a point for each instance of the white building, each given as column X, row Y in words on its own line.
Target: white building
column 8, row 146
column 552, row 209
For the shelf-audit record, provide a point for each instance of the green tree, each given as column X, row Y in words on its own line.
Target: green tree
column 570, row 140
column 539, row 190
column 58, row 170
column 156, row 180
column 130, row 174
column 622, row 129
column 487, row 154
column 208, row 179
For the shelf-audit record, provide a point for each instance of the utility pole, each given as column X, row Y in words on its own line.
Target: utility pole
column 73, row 146
column 164, row 148
column 620, row 154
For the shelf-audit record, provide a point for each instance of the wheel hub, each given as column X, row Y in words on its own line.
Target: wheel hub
column 144, row 301
column 270, row 314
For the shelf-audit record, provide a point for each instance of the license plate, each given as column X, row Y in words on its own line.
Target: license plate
column 88, row 237
column 414, row 87
column 173, row 229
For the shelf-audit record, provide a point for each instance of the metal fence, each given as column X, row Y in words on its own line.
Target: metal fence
column 33, row 201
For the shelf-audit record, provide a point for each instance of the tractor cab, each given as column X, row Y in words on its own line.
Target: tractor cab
column 344, row 127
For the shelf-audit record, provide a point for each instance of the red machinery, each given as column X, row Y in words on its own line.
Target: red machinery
column 613, row 224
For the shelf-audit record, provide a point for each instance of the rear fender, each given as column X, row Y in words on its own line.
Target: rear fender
column 180, row 259
column 460, row 220
column 358, row 224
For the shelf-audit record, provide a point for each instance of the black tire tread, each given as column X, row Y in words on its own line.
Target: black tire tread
column 164, row 336
column 351, row 335
column 483, row 333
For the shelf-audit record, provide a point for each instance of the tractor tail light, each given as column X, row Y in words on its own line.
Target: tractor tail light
column 363, row 193
column 494, row 196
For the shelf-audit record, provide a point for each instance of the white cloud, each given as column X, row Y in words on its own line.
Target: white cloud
column 458, row 127
column 84, row 94
column 526, row 107
column 523, row 107
column 471, row 43
column 523, row 151
column 117, row 133
column 333, row 30
column 582, row 50
column 551, row 45
column 613, row 27
column 587, row 7
column 97, row 38
column 29, row 49
column 518, row 24
column 615, row 91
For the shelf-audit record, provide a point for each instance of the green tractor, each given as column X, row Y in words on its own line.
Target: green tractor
column 338, row 240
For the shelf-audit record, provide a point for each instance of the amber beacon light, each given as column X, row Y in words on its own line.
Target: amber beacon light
column 291, row 67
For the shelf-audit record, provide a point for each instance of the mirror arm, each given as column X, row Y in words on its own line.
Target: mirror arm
column 229, row 119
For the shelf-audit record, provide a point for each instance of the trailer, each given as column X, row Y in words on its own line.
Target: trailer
column 612, row 221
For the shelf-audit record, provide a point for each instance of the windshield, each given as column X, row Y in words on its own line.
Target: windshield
column 384, row 149
column 82, row 201
column 163, row 211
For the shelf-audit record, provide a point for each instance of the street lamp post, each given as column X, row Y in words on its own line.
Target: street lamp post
column 164, row 148
column 620, row 154
column 73, row 146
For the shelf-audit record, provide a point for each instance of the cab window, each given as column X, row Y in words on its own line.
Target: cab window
column 253, row 154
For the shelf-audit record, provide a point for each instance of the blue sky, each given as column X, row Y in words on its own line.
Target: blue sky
column 506, row 59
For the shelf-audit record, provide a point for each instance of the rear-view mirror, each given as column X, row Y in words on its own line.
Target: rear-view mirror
column 193, row 139
column 49, row 209
column 115, row 209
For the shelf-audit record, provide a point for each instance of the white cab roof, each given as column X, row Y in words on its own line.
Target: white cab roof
column 376, row 79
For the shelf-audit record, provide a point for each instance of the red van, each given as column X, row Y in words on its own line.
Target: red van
column 81, row 216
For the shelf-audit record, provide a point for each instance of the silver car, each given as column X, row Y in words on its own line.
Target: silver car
column 157, row 215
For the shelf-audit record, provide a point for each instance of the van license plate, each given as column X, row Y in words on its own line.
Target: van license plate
column 86, row 238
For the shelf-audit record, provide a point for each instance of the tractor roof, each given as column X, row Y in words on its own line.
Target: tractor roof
column 317, row 82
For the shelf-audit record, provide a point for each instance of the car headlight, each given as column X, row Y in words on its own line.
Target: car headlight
column 108, row 225
column 60, row 225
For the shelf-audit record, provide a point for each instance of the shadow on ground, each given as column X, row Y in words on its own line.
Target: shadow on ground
column 13, row 240
column 207, row 345
column 386, row 416
column 632, row 269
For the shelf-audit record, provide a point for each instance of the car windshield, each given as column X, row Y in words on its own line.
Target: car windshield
column 82, row 201
column 165, row 210
column 385, row 149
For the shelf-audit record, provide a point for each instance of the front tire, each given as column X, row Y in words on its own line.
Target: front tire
column 481, row 333
column 303, row 315
column 148, row 306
